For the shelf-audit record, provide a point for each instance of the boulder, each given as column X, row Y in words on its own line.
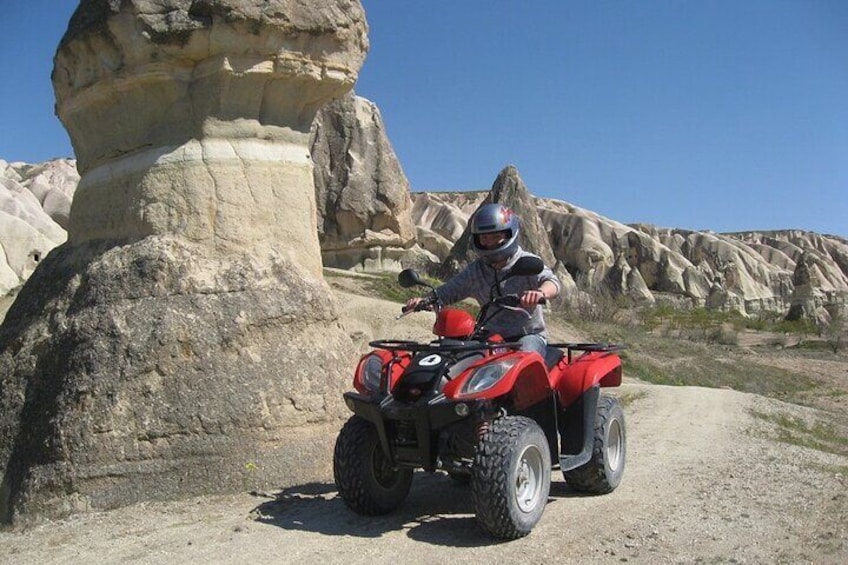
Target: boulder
column 182, row 341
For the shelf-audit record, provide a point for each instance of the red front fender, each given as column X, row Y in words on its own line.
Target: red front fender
column 527, row 380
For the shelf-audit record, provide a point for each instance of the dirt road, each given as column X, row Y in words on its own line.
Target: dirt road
column 704, row 483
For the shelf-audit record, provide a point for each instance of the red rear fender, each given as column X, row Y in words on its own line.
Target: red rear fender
column 585, row 372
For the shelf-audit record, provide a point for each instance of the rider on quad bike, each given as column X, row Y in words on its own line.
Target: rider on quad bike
column 494, row 238
column 490, row 408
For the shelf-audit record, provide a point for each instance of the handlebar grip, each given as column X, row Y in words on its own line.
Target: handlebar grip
column 515, row 300
column 426, row 303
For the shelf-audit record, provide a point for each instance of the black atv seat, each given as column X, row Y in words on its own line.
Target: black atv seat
column 552, row 356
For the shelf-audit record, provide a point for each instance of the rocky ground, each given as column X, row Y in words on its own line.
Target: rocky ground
column 709, row 479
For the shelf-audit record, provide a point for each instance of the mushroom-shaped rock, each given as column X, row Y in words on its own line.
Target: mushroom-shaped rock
column 182, row 341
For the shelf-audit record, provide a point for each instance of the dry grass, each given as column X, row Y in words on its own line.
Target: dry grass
column 802, row 375
column 820, row 435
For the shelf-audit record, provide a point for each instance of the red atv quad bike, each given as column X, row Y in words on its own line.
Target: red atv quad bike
column 486, row 413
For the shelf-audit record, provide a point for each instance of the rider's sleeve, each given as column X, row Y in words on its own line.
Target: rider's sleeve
column 548, row 275
column 459, row 286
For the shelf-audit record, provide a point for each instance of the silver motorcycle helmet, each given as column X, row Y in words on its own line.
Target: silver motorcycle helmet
column 493, row 218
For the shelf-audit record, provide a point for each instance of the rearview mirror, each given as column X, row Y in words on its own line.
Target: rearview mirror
column 410, row 277
column 526, row 266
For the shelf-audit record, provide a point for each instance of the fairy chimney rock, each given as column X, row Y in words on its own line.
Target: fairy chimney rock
column 364, row 205
column 182, row 340
column 192, row 117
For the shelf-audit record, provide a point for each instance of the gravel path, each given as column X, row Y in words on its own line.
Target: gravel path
column 703, row 483
column 706, row 482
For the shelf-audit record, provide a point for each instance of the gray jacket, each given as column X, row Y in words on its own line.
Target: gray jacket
column 476, row 281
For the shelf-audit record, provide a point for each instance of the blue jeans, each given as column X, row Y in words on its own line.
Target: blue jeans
column 534, row 342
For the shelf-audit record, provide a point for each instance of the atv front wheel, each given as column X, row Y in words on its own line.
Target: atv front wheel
column 603, row 472
column 460, row 478
column 512, row 477
column 365, row 478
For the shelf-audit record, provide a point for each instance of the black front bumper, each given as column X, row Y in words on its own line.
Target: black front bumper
column 428, row 417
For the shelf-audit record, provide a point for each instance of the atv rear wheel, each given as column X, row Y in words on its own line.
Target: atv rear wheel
column 512, row 477
column 603, row 472
column 365, row 478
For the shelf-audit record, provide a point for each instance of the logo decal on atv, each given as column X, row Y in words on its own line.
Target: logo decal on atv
column 430, row 360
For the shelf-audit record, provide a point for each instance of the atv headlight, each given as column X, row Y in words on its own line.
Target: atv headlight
column 487, row 376
column 372, row 370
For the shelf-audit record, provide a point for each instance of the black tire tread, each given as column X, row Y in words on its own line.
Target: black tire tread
column 351, row 464
column 592, row 477
column 491, row 474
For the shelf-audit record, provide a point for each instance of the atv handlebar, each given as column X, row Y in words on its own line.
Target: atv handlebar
column 427, row 303
column 513, row 300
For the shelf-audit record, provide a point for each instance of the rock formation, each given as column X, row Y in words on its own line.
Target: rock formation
column 749, row 272
column 34, row 205
column 440, row 221
column 364, row 204
column 182, row 340
column 818, row 290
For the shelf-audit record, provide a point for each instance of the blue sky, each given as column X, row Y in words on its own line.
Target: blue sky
column 722, row 115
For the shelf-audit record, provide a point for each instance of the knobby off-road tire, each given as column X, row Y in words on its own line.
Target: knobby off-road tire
column 512, row 477
column 364, row 476
column 460, row 478
column 603, row 472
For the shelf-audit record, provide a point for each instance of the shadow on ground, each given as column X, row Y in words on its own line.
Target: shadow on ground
column 438, row 511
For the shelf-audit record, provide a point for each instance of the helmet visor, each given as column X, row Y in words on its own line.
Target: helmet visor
column 492, row 240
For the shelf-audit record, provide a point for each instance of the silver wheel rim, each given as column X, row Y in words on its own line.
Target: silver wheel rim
column 615, row 446
column 528, row 478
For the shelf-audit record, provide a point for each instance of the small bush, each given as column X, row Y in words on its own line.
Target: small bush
column 727, row 334
column 834, row 331
column 591, row 308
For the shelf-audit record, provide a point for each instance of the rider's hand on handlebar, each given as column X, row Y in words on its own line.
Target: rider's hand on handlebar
column 418, row 303
column 532, row 298
column 412, row 303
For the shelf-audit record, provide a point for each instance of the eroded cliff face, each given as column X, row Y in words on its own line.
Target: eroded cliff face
column 749, row 272
column 35, row 201
column 182, row 340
